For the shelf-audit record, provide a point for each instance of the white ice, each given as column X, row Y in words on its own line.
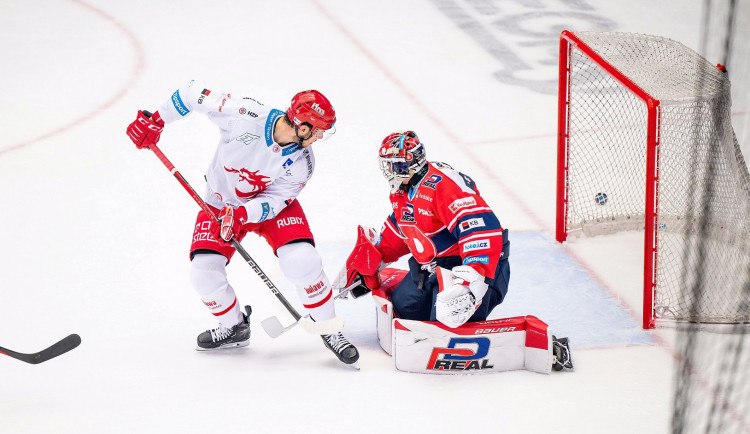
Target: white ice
column 95, row 233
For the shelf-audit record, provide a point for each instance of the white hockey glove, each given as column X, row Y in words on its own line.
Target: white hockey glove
column 461, row 293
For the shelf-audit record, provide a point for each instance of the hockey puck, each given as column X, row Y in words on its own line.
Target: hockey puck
column 601, row 198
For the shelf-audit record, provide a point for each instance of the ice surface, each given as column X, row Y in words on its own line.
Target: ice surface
column 96, row 233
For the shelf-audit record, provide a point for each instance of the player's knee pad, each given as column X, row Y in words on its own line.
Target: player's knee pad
column 209, row 278
column 208, row 274
column 300, row 263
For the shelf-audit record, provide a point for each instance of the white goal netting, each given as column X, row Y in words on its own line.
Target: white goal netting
column 702, row 201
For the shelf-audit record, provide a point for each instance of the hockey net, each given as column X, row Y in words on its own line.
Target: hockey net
column 646, row 143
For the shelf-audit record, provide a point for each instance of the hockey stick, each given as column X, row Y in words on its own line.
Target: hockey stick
column 61, row 347
column 271, row 325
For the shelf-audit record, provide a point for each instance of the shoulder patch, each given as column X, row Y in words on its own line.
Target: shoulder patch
column 461, row 203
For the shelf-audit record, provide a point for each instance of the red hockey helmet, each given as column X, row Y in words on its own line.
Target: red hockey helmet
column 313, row 108
column 401, row 155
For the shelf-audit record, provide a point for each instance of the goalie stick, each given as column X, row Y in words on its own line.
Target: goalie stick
column 271, row 325
column 63, row 346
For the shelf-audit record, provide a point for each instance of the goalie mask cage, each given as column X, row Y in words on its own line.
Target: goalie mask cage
column 645, row 142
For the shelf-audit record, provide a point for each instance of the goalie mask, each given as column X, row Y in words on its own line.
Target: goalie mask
column 401, row 155
column 313, row 108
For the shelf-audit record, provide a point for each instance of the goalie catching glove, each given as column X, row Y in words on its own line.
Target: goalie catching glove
column 461, row 293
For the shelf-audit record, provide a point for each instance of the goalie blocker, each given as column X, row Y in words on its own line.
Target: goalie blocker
column 507, row 344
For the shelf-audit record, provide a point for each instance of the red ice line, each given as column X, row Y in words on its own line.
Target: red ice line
column 134, row 76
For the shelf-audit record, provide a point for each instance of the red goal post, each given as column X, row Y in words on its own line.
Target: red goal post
column 645, row 143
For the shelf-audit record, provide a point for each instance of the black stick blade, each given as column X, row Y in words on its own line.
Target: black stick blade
column 61, row 347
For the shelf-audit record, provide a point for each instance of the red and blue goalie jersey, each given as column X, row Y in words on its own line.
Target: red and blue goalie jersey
column 441, row 216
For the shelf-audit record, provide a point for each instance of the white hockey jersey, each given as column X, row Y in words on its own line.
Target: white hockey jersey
column 248, row 169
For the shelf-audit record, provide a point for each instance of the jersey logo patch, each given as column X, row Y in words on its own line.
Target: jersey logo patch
column 476, row 245
column 471, row 224
column 461, row 203
column 178, row 104
column 247, row 138
column 432, row 181
column 408, row 214
column 484, row 259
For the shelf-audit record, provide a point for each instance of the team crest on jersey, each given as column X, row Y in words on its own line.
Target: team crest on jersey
column 408, row 214
column 256, row 181
column 461, row 354
column 432, row 181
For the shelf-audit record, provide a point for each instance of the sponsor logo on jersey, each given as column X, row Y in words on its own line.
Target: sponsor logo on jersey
column 476, row 245
column 461, row 354
column 483, row 259
column 471, row 224
column 426, row 212
column 424, row 196
column 275, row 148
column 224, row 101
column 290, row 148
column 308, row 159
column 315, row 287
column 289, row 221
column 266, row 211
column 178, row 104
column 204, row 94
column 287, row 163
column 247, row 138
column 461, row 203
column 270, row 122
column 432, row 181
column 243, row 110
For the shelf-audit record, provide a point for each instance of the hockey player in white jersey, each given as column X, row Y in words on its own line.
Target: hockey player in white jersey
column 262, row 162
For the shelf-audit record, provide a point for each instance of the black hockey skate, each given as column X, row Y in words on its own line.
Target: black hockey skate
column 561, row 354
column 345, row 351
column 222, row 337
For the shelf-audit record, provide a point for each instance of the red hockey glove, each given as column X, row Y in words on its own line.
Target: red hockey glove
column 360, row 274
column 144, row 132
column 230, row 222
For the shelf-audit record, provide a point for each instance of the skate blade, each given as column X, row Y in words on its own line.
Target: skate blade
column 225, row 347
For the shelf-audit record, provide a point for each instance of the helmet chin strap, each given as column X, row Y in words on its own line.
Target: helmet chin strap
column 302, row 139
